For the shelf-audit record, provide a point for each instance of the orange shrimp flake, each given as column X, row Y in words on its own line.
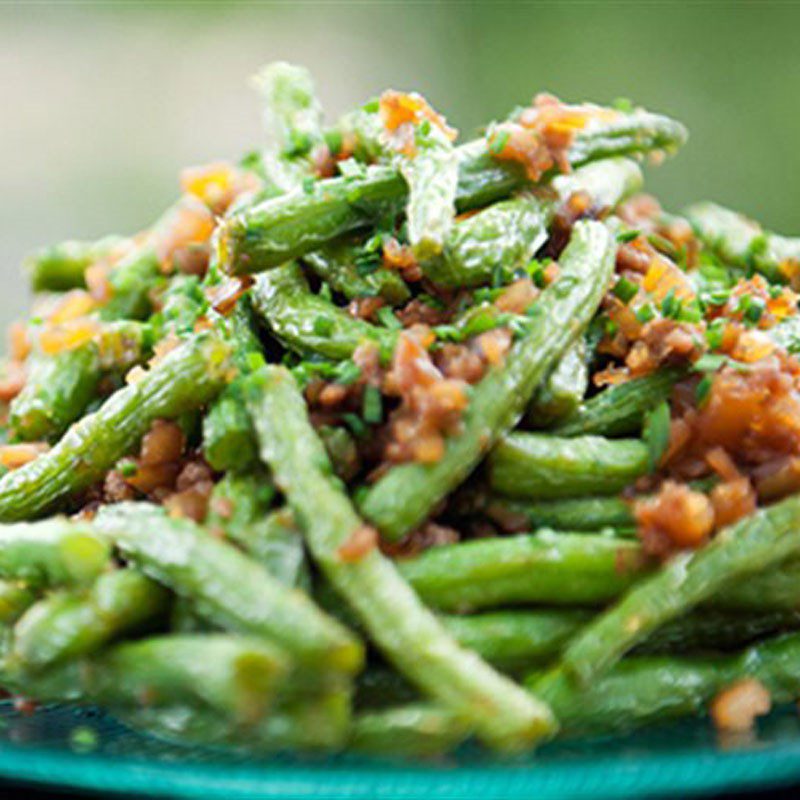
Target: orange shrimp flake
column 402, row 112
column 540, row 138
column 68, row 336
column 216, row 185
column 431, row 404
column 14, row 456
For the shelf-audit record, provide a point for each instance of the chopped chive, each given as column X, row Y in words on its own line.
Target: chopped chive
column 334, row 141
column 387, row 318
column 628, row 236
column 498, row 142
column 355, row 423
column 671, row 305
column 372, row 407
column 625, row 290
column 127, row 468
column 347, row 372
column 429, row 300
column 645, row 313
column 308, row 184
column 325, row 292
column 715, row 333
column 371, row 106
column 655, row 433
column 718, row 297
column 703, row 389
column 754, row 310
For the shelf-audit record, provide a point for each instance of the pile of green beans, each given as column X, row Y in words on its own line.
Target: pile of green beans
column 309, row 601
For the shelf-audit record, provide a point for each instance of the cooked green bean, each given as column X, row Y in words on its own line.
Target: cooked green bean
column 228, row 587
column 53, row 552
column 431, row 173
column 59, row 388
column 620, row 410
column 309, row 323
column 506, row 235
column 744, row 243
column 757, row 542
column 72, row 624
column 411, row 731
column 273, row 232
column 239, row 508
column 563, row 390
column 63, row 266
column 546, row 567
column 537, row 466
column 403, row 498
column 337, row 264
column 645, row 689
column 187, row 377
column 570, row 514
column 405, row 631
column 292, row 123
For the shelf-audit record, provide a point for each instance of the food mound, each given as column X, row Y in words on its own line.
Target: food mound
column 380, row 441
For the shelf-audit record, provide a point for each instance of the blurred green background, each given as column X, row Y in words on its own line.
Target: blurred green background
column 103, row 103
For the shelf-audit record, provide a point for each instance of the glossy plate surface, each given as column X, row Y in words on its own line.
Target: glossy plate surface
column 52, row 747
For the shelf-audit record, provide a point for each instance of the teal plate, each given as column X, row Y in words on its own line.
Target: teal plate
column 674, row 760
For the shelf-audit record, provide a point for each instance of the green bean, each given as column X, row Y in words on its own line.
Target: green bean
column 564, row 388
column 308, row 323
column 336, row 264
column 416, row 730
column 292, row 122
column 431, row 174
column 403, row 497
column 240, row 508
column 59, row 388
column 131, row 280
column 506, row 235
column 229, row 588
column 275, row 231
column 645, row 689
column 56, row 393
column 570, row 514
column 638, row 691
column 228, row 432
column 15, row 598
column 546, row 567
column 53, row 552
column 620, row 410
column 743, row 242
column 753, row 544
column 537, row 466
column 62, row 267
column 71, row 624
column 227, row 429
column 321, row 723
column 187, row 377
column 522, row 639
column 517, row 639
column 235, row 676
column 404, row 630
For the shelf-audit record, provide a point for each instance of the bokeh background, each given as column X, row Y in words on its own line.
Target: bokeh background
column 103, row 103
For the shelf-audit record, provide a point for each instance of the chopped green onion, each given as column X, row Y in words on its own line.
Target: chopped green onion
column 703, row 390
column 646, row 313
column 625, row 290
column 372, row 407
column 388, row 319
